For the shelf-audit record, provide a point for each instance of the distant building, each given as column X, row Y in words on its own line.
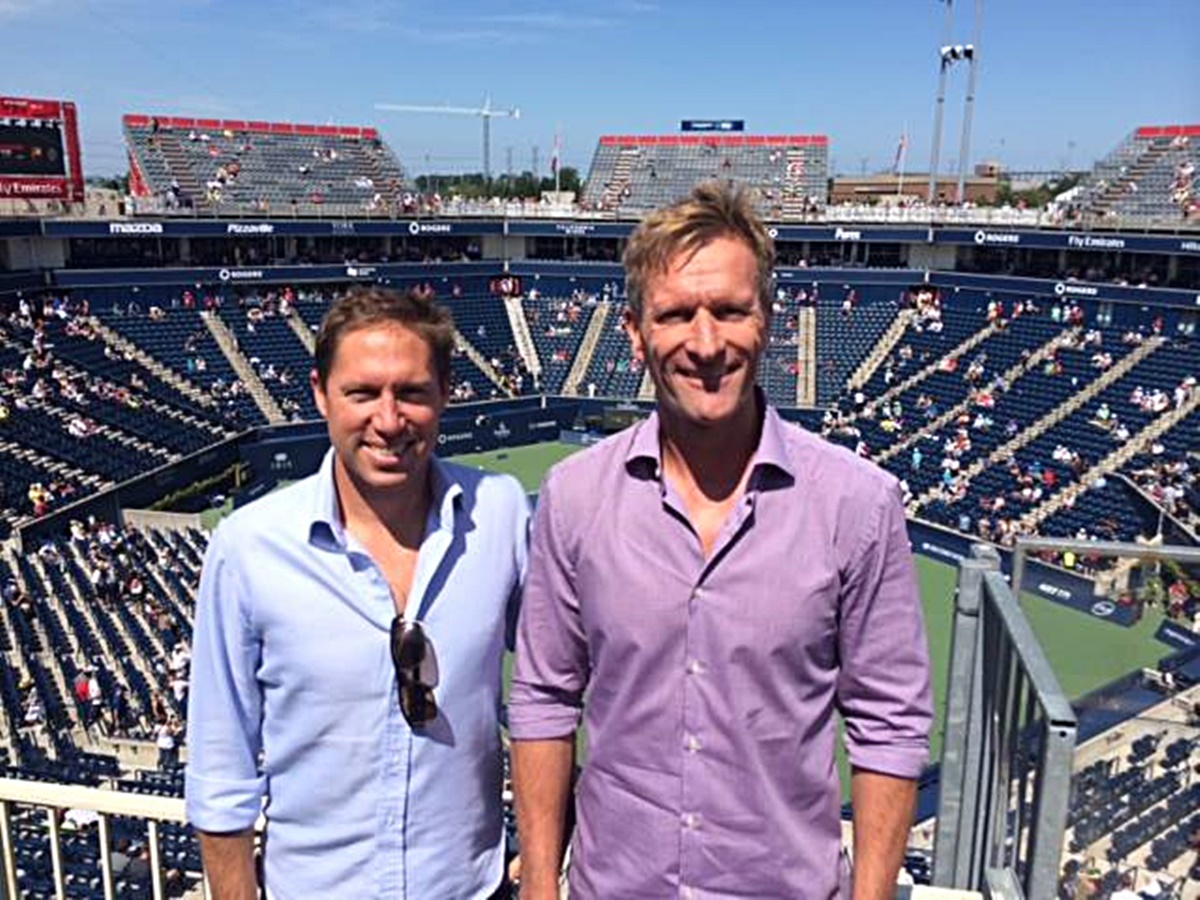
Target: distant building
column 888, row 188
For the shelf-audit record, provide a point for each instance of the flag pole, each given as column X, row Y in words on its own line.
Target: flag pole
column 900, row 165
column 557, row 162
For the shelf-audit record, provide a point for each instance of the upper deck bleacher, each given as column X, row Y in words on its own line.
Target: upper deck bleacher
column 633, row 173
column 238, row 167
column 1151, row 173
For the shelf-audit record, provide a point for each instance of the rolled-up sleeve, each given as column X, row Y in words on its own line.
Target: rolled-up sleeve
column 883, row 685
column 224, row 788
column 551, row 668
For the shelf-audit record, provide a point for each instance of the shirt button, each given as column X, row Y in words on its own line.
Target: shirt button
column 695, row 667
column 692, row 743
column 691, row 821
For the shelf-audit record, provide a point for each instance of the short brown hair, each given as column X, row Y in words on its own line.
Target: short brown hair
column 712, row 210
column 361, row 307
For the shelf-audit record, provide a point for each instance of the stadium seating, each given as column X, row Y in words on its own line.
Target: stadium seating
column 262, row 168
column 557, row 325
column 633, row 173
column 179, row 339
column 1151, row 173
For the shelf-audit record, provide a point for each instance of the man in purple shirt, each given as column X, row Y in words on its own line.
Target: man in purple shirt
column 707, row 589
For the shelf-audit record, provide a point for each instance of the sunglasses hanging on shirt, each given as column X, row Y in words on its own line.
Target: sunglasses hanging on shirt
column 416, row 672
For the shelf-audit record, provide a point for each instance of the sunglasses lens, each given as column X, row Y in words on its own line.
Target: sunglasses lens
column 416, row 672
column 418, row 704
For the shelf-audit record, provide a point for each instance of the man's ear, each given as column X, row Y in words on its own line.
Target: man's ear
column 314, row 381
column 637, row 346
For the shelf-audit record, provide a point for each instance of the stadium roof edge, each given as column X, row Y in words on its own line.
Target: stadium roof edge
column 141, row 120
column 717, row 140
column 1153, row 131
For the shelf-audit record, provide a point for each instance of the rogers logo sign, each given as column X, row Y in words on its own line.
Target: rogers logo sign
column 996, row 237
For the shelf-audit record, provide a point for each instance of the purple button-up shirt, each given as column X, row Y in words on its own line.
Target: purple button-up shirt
column 709, row 686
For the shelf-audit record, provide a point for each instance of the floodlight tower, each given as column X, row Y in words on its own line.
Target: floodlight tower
column 485, row 112
column 948, row 55
column 964, row 151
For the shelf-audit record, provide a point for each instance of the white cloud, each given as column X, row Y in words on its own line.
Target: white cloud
column 20, row 9
column 557, row 21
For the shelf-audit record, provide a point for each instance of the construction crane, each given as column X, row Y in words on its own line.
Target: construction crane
column 485, row 112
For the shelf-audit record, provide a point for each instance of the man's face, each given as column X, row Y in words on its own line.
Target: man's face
column 382, row 402
column 701, row 332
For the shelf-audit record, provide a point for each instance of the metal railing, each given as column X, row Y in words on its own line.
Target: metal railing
column 1008, row 747
column 511, row 209
column 55, row 798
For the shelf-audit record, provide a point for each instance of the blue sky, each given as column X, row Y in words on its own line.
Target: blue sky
column 1059, row 80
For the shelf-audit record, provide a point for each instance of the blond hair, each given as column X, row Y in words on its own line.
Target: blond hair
column 712, row 210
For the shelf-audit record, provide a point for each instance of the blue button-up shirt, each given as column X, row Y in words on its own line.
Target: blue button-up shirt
column 294, row 695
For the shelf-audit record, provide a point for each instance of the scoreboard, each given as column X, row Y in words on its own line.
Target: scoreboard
column 39, row 150
column 32, row 148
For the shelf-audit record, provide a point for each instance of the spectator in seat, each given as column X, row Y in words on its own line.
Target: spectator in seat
column 665, row 585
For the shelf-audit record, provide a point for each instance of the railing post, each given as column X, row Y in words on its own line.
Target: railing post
column 1053, row 811
column 156, row 872
column 56, row 860
column 106, row 866
column 955, row 837
column 8, row 885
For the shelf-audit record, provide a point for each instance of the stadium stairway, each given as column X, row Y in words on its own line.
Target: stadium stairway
column 303, row 332
column 481, row 362
column 1119, row 187
column 646, row 389
column 1112, row 461
column 180, row 168
column 522, row 336
column 622, row 174
column 1009, row 375
column 125, row 346
column 258, row 391
column 587, row 349
column 806, row 357
column 886, row 344
column 1044, row 424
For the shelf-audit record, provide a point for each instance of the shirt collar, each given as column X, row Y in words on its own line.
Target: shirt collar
column 771, row 458
column 326, row 529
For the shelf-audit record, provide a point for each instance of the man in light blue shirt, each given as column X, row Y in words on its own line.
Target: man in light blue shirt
column 349, row 638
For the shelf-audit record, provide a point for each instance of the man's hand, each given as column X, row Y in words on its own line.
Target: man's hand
column 229, row 865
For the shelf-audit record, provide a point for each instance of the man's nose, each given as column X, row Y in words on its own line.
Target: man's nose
column 389, row 416
column 707, row 340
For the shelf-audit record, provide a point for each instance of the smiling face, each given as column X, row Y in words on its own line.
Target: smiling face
column 701, row 332
column 382, row 401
